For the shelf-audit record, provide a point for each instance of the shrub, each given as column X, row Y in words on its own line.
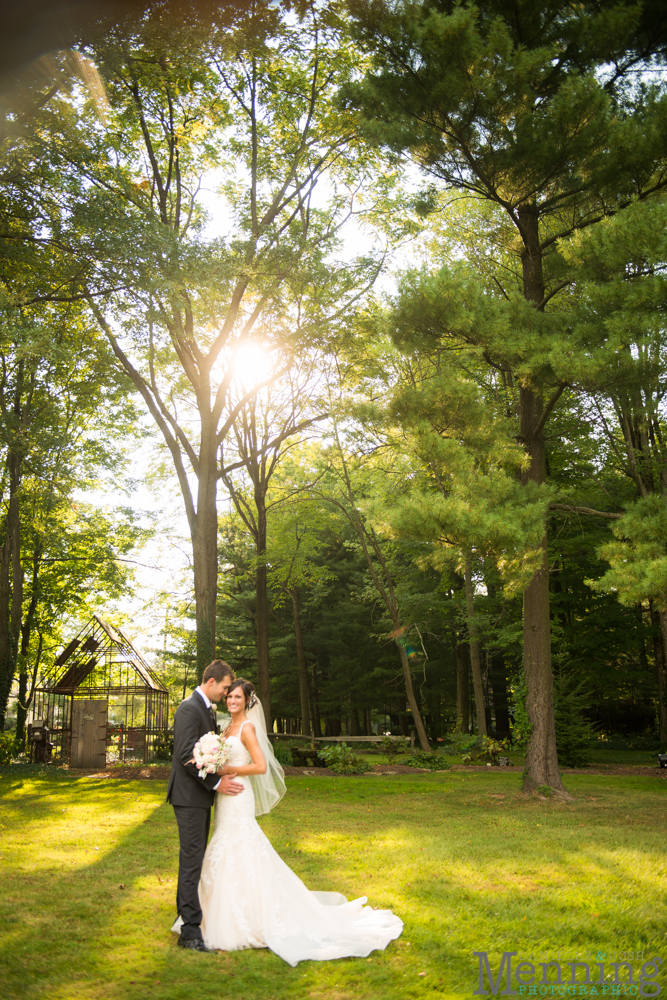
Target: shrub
column 163, row 747
column 283, row 751
column 488, row 750
column 9, row 748
column 434, row 761
column 341, row 759
column 462, row 743
column 392, row 746
column 647, row 740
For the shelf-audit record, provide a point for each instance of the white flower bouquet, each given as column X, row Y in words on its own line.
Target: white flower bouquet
column 210, row 753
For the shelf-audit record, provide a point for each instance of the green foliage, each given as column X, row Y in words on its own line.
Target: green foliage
column 647, row 740
column 519, row 721
column 9, row 748
column 488, row 750
column 283, row 751
column 462, row 743
column 341, row 759
column 431, row 761
column 574, row 733
column 638, row 556
column 164, row 746
column 392, row 746
column 473, row 93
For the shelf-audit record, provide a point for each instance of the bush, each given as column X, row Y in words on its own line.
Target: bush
column 462, row 743
column 9, row 748
column 341, row 759
column 163, row 748
column 283, row 751
column 434, row 761
column 487, row 750
column 392, row 746
column 648, row 740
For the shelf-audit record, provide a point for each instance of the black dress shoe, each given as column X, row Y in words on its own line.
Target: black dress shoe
column 194, row 944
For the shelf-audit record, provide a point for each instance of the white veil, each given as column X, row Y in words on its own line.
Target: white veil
column 268, row 788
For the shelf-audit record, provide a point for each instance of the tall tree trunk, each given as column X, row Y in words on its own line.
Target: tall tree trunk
column 301, row 663
column 25, row 696
column 412, row 701
column 262, row 600
column 11, row 587
column 7, row 660
column 368, row 723
column 204, row 534
column 462, row 688
column 497, row 673
column 541, row 766
column 332, row 726
column 317, row 725
column 478, row 687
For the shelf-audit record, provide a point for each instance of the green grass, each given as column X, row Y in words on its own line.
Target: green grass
column 464, row 859
column 599, row 757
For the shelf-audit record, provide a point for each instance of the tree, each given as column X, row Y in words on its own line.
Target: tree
column 534, row 109
column 461, row 496
column 297, row 544
column 249, row 109
column 351, row 484
column 61, row 413
column 264, row 431
column 621, row 263
column 76, row 557
column 638, row 569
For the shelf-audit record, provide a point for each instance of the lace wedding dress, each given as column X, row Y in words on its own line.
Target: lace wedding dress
column 251, row 899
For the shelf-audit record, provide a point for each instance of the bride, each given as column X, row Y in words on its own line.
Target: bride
column 249, row 896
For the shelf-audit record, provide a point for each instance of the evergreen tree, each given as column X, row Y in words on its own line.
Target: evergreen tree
column 533, row 108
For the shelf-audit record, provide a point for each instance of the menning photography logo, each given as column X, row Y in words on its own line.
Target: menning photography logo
column 567, row 978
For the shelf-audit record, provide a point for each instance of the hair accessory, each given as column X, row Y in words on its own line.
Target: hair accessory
column 252, row 702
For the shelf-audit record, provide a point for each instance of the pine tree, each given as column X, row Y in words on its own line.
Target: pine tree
column 533, row 108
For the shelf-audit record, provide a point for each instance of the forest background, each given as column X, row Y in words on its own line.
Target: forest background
column 377, row 291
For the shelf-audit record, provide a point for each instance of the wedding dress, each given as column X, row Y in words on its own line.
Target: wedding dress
column 251, row 899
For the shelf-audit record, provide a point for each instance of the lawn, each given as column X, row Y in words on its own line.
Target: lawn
column 89, row 869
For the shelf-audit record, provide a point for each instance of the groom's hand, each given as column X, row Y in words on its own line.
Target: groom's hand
column 228, row 786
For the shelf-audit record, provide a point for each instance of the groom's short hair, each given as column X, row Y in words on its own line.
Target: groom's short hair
column 217, row 670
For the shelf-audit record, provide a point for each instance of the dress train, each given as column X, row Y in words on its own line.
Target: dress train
column 251, row 899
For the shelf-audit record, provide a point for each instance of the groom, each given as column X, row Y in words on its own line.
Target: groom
column 192, row 796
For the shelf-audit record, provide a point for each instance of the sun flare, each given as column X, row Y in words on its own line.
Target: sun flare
column 252, row 364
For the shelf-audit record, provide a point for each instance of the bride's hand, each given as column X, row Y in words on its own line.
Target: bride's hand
column 226, row 770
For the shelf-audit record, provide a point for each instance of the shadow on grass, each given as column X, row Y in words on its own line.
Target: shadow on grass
column 466, row 861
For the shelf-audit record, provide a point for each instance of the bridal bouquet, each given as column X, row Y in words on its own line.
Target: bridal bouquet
column 210, row 753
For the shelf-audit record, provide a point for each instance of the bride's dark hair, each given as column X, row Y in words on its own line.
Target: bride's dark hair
column 248, row 689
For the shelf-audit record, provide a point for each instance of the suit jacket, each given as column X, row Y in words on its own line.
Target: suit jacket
column 186, row 788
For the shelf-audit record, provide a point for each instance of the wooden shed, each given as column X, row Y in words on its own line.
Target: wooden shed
column 100, row 697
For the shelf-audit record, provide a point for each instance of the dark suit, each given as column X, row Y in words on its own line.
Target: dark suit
column 192, row 798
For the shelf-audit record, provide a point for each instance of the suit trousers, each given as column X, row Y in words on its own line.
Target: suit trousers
column 193, row 827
